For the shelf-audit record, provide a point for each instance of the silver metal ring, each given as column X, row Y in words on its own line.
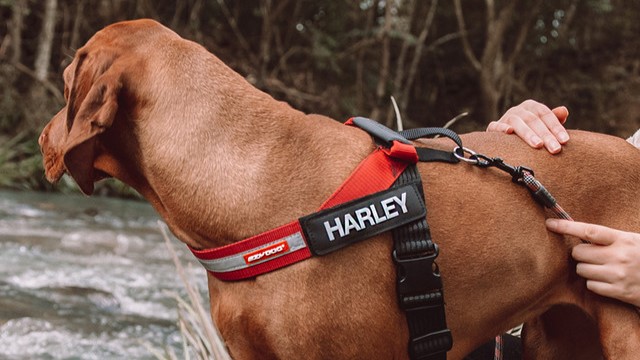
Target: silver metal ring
column 462, row 158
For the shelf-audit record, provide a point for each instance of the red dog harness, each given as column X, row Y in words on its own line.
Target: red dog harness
column 289, row 244
column 384, row 193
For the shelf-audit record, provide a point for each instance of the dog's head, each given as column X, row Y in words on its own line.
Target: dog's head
column 94, row 83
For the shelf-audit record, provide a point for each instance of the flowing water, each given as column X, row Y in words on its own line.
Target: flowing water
column 86, row 278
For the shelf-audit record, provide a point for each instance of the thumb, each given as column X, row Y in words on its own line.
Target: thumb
column 561, row 112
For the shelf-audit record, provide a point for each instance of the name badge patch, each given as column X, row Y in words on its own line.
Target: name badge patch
column 345, row 224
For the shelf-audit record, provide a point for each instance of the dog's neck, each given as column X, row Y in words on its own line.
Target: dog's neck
column 251, row 162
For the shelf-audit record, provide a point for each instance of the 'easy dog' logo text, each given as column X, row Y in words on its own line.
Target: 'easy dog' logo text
column 266, row 253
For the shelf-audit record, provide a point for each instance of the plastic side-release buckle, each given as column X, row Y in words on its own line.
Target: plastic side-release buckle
column 419, row 290
column 418, row 275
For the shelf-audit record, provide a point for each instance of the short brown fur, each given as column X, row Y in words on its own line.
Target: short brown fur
column 222, row 161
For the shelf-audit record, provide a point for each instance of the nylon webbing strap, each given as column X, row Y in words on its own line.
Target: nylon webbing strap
column 419, row 286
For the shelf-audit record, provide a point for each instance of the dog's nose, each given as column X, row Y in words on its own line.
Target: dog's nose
column 43, row 135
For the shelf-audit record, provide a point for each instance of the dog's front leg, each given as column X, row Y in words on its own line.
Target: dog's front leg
column 562, row 332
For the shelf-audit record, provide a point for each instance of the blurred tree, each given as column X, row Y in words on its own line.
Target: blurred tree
column 39, row 103
column 496, row 63
column 345, row 58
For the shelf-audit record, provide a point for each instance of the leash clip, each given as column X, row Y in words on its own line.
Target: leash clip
column 516, row 172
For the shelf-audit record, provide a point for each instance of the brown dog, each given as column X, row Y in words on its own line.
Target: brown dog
column 221, row 161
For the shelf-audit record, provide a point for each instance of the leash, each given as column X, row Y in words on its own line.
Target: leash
column 520, row 175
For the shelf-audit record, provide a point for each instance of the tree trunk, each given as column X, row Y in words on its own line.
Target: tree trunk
column 265, row 40
column 43, row 56
column 417, row 55
column 19, row 8
column 383, row 77
column 492, row 62
column 40, row 105
column 74, row 43
column 490, row 96
column 494, row 67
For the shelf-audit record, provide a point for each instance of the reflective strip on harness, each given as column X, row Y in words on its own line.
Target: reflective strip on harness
column 229, row 262
column 255, row 256
column 286, row 245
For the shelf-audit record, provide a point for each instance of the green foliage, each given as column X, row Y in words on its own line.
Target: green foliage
column 601, row 6
column 7, row 3
column 20, row 163
column 327, row 56
column 21, row 168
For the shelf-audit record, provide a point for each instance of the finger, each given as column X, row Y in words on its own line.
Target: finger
column 595, row 234
column 548, row 128
column 614, row 291
column 554, row 124
column 546, row 124
column 523, row 130
column 500, row 127
column 540, row 125
column 595, row 272
column 590, row 254
column 604, row 289
column 562, row 113
column 539, row 118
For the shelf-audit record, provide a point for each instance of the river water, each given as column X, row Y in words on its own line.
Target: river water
column 86, row 278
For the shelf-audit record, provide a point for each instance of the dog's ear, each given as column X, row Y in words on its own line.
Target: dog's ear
column 91, row 109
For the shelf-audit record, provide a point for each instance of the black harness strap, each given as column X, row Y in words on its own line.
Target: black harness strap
column 430, row 155
column 419, row 286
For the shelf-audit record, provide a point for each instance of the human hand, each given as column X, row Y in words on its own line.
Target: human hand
column 536, row 124
column 610, row 263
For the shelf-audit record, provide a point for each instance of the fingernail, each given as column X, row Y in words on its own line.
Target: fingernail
column 563, row 137
column 554, row 147
column 536, row 141
column 551, row 223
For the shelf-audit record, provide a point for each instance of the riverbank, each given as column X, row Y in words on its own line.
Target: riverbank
column 86, row 278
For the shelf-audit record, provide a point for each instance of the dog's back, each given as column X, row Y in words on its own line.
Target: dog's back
column 499, row 262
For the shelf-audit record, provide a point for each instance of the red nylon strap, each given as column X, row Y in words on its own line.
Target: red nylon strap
column 375, row 173
column 252, row 243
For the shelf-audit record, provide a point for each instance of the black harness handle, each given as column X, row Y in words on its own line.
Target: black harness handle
column 387, row 137
column 413, row 134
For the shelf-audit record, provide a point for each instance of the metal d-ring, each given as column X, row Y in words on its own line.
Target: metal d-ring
column 456, row 153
